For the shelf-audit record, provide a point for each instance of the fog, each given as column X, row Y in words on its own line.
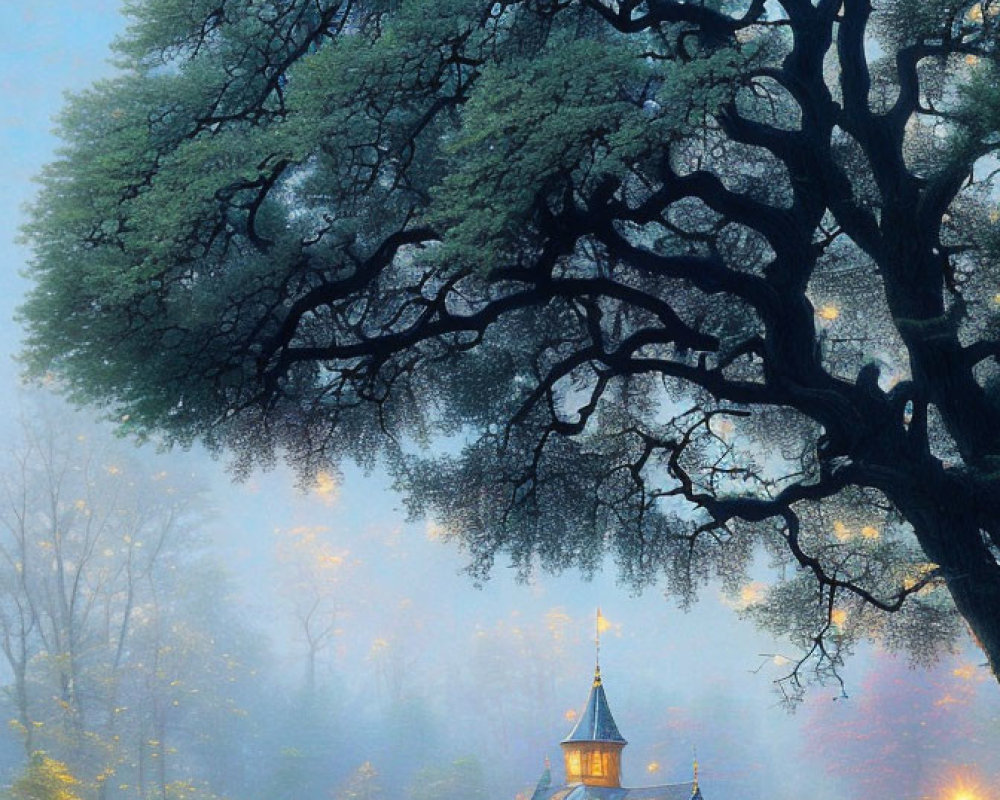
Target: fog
column 312, row 642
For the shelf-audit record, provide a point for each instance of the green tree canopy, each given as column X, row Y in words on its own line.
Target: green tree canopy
column 686, row 280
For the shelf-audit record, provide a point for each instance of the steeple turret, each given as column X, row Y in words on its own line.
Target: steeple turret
column 593, row 754
column 592, row 751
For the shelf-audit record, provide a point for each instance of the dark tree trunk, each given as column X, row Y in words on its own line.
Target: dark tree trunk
column 947, row 527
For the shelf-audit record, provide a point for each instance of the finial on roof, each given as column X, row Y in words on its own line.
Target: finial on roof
column 597, row 638
column 548, row 764
column 694, row 755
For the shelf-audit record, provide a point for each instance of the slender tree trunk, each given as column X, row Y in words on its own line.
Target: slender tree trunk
column 141, row 759
column 21, row 690
column 161, row 761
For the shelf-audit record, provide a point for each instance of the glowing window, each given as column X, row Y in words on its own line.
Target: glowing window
column 573, row 762
column 597, row 764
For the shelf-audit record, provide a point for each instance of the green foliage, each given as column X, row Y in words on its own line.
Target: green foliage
column 906, row 21
column 579, row 237
column 980, row 105
column 533, row 128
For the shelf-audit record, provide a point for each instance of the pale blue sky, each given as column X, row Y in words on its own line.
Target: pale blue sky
column 46, row 49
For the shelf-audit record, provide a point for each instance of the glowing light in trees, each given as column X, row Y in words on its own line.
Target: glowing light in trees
column 434, row 532
column 749, row 594
column 752, row 593
column 326, row 488
column 841, row 532
column 556, row 622
column 722, row 427
column 921, row 570
column 975, row 14
column 379, row 645
column 602, row 622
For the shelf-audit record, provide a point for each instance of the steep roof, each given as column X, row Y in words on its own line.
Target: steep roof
column 596, row 723
column 670, row 791
column 544, row 783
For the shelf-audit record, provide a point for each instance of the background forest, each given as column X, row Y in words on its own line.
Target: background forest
column 166, row 635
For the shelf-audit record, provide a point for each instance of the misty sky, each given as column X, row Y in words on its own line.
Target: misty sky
column 675, row 681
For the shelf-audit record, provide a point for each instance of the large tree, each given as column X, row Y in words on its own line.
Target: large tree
column 677, row 280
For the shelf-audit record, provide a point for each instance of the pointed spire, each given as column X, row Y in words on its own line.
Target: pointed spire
column 600, row 624
column 544, row 782
column 596, row 723
column 597, row 647
column 694, row 788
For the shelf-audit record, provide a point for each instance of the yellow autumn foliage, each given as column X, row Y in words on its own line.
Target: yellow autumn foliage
column 45, row 778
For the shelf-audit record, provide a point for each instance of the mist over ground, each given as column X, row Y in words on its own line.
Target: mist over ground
column 420, row 685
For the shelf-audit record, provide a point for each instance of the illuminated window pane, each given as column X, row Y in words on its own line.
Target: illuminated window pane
column 597, row 765
column 573, row 763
